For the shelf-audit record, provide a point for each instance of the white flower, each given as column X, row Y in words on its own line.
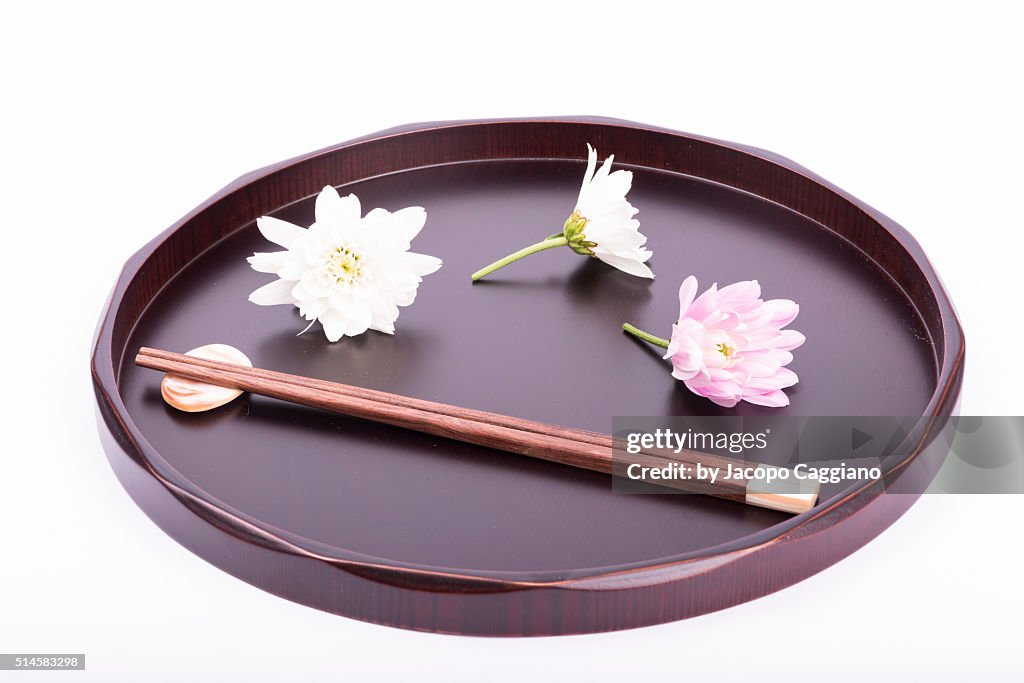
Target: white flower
column 347, row 271
column 601, row 225
column 608, row 220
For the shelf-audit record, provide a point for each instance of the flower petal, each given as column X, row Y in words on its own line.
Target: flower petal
column 607, row 192
column 407, row 222
column 687, row 291
column 704, row 305
column 279, row 231
column 786, row 377
column 742, row 296
column 335, row 210
column 687, row 359
column 605, row 168
column 588, row 175
column 771, row 399
column 334, row 325
column 420, row 264
column 274, row 293
column 789, row 340
column 633, row 266
column 311, row 310
column 720, row 393
column 268, row 262
column 384, row 315
column 359, row 319
column 781, row 311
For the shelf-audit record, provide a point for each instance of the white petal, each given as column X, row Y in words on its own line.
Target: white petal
column 277, row 292
column 607, row 194
column 268, row 262
column 333, row 209
column 279, row 231
column 623, row 238
column 292, row 268
column 309, row 288
column 605, row 168
column 420, row 264
column 627, row 265
column 311, row 310
column 385, row 313
column 378, row 219
column 359, row 319
column 404, row 297
column 588, row 175
column 408, row 222
column 398, row 229
column 334, row 325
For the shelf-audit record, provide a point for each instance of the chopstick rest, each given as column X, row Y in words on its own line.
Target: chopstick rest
column 193, row 396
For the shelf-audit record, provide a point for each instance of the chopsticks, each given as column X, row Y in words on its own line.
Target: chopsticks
column 564, row 445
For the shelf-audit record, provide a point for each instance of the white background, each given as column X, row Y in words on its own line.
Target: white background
column 116, row 120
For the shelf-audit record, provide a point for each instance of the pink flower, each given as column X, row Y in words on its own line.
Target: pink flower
column 729, row 346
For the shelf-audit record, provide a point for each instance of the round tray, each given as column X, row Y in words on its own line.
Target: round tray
column 414, row 531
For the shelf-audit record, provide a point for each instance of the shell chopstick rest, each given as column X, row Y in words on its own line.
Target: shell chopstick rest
column 195, row 397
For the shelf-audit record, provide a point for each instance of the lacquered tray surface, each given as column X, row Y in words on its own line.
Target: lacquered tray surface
column 429, row 519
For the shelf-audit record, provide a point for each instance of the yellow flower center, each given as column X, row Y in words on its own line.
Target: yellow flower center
column 343, row 265
column 726, row 349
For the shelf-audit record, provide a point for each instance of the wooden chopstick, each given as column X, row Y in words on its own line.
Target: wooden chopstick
column 594, row 438
column 565, row 445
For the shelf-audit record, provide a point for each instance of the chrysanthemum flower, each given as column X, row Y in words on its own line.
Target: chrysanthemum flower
column 348, row 271
column 729, row 346
column 601, row 225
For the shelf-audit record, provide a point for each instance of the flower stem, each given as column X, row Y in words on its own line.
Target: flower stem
column 637, row 332
column 526, row 251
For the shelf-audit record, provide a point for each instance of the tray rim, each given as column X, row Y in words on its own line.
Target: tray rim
column 115, row 418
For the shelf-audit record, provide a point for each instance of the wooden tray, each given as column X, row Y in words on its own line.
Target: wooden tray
column 407, row 530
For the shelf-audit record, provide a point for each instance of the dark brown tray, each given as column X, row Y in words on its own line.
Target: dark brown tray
column 412, row 531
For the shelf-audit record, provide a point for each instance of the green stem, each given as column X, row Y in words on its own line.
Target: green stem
column 532, row 249
column 637, row 332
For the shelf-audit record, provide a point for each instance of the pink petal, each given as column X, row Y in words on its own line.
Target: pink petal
column 713, row 389
column 759, row 366
column 705, row 305
column 760, row 385
column 782, row 311
column 742, row 296
column 789, row 340
column 703, row 386
column 687, row 291
column 723, row 320
column 771, row 357
column 756, row 318
column 787, row 377
column 686, row 359
column 771, row 399
column 724, row 402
